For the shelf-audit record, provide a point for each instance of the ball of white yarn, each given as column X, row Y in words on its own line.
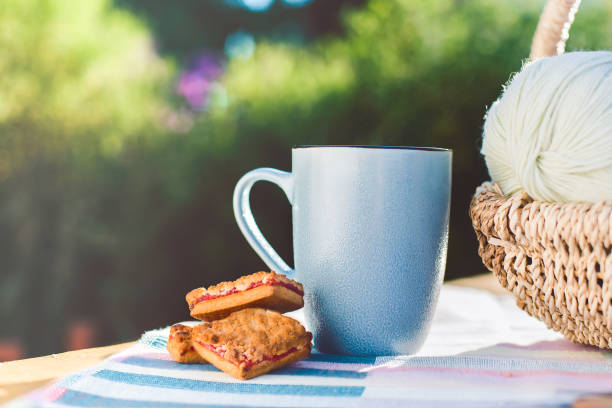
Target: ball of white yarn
column 550, row 133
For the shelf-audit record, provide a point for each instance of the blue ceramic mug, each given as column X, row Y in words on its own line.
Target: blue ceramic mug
column 370, row 232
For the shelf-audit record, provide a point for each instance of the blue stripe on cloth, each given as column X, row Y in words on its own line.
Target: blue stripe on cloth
column 166, row 364
column 334, row 358
column 84, row 399
column 300, row 371
column 234, row 388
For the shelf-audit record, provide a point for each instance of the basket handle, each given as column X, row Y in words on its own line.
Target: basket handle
column 553, row 28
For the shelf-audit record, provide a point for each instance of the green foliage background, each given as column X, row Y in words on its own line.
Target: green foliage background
column 109, row 216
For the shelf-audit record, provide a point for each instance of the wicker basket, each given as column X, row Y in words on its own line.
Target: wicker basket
column 556, row 259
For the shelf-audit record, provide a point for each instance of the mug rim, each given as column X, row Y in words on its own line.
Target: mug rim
column 421, row 148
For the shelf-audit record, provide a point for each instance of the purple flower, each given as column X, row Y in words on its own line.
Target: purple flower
column 196, row 83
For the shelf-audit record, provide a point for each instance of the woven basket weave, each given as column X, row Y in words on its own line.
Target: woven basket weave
column 556, row 259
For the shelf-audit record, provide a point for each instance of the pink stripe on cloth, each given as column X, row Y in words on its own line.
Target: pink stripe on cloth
column 157, row 356
column 51, row 393
column 381, row 370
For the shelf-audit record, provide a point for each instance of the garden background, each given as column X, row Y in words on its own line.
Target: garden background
column 124, row 126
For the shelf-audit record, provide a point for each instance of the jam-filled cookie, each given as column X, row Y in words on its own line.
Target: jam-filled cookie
column 179, row 345
column 251, row 342
column 268, row 290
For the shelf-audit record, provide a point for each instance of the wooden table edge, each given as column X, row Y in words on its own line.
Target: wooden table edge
column 22, row 376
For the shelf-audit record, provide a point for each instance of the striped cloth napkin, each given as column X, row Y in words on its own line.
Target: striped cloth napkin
column 482, row 351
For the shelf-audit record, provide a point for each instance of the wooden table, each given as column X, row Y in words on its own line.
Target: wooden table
column 21, row 376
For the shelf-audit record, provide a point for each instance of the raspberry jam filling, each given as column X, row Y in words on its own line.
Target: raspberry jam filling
column 253, row 285
column 221, row 350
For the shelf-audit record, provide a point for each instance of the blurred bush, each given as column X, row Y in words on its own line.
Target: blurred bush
column 79, row 83
column 115, row 194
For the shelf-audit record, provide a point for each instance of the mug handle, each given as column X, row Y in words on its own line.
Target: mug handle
column 244, row 216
